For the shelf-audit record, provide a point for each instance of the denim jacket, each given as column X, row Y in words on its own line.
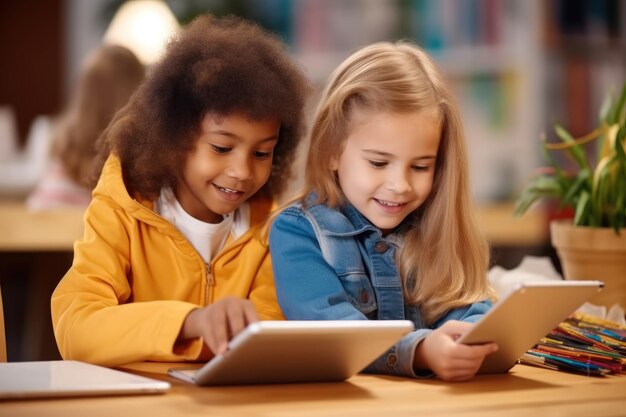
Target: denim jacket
column 333, row 264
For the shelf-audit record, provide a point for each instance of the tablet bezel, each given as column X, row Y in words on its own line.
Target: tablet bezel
column 298, row 351
column 520, row 319
column 50, row 379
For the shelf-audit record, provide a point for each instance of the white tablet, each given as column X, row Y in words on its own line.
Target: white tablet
column 298, row 351
column 520, row 319
column 22, row 380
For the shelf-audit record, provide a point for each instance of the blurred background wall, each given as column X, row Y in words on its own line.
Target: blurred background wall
column 517, row 66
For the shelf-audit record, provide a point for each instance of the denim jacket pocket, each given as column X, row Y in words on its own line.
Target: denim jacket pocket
column 360, row 291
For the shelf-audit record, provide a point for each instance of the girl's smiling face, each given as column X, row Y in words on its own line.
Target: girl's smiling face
column 231, row 161
column 387, row 166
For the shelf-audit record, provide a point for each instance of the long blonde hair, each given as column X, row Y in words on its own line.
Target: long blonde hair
column 444, row 258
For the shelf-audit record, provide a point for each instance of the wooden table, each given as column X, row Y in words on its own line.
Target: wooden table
column 25, row 230
column 524, row 391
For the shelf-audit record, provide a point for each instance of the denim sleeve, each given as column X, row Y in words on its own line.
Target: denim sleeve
column 306, row 286
column 399, row 359
column 470, row 313
column 308, row 289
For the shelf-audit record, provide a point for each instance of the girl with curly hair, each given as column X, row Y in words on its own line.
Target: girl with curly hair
column 173, row 262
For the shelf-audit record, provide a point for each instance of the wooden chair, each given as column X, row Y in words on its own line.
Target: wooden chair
column 3, row 344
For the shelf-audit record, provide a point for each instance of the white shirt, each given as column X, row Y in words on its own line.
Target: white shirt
column 207, row 238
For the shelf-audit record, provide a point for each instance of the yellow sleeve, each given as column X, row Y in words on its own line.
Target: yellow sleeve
column 263, row 292
column 94, row 314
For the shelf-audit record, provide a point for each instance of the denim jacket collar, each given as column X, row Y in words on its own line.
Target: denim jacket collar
column 352, row 222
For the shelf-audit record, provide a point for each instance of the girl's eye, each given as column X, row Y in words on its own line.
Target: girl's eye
column 420, row 168
column 377, row 164
column 221, row 149
column 262, row 155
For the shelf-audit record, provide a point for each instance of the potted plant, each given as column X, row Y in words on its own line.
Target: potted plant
column 592, row 245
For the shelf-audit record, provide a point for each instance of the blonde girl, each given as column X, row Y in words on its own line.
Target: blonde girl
column 384, row 229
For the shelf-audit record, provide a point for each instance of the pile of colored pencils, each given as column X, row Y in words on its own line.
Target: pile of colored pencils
column 582, row 344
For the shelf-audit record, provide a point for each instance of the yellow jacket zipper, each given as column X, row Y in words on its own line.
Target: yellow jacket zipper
column 209, row 283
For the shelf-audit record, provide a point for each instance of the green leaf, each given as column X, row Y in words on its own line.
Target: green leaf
column 539, row 187
column 620, row 199
column 576, row 151
column 581, row 208
column 606, row 108
column 619, row 144
column 602, row 192
column 616, row 114
column 574, row 189
column 619, row 215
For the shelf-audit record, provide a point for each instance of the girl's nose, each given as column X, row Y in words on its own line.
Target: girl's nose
column 240, row 168
column 398, row 183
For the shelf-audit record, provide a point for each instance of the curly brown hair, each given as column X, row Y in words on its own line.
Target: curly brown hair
column 221, row 66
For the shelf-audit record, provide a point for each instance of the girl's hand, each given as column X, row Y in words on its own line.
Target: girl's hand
column 449, row 360
column 219, row 322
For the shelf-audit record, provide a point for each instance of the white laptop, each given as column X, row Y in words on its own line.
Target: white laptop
column 298, row 351
column 519, row 320
column 23, row 380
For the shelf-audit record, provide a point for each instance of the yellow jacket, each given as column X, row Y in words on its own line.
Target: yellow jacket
column 135, row 278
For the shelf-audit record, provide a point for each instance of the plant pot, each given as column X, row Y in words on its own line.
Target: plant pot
column 593, row 253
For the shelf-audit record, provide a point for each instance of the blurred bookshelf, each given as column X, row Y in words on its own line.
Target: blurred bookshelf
column 488, row 50
column 516, row 66
column 585, row 57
